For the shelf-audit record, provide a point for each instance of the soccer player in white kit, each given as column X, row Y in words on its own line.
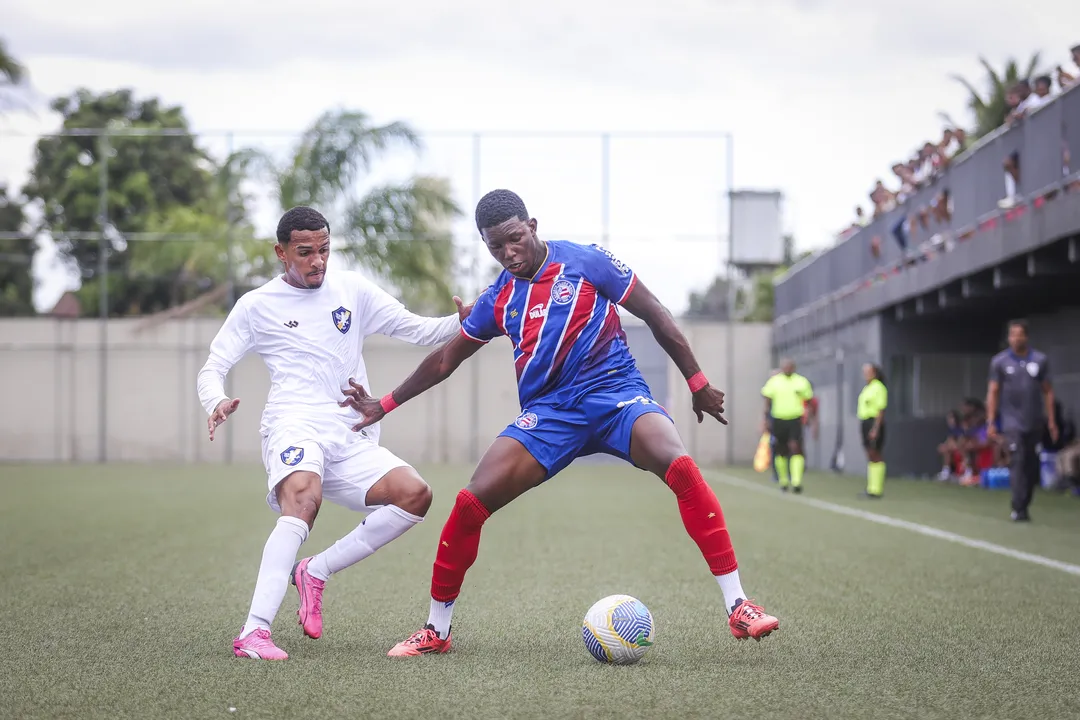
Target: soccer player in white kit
column 309, row 328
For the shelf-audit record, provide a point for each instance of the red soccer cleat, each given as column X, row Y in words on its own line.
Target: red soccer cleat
column 751, row 621
column 422, row 642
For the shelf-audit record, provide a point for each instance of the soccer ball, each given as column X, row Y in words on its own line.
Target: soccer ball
column 618, row 630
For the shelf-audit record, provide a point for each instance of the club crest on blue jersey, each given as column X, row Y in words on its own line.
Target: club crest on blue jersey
column 562, row 292
column 342, row 319
column 292, row 455
column 527, row 420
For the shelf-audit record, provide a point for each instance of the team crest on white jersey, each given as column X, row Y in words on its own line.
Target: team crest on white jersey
column 342, row 319
column 527, row 420
column 562, row 292
column 292, row 455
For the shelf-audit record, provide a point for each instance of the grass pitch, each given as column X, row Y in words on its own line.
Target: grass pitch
column 123, row 586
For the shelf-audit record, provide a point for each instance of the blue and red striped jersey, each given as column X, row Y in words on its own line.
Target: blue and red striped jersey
column 563, row 323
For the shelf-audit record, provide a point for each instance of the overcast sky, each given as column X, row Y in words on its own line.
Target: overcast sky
column 820, row 95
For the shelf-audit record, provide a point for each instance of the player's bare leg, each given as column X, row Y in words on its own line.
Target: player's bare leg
column 656, row 446
column 405, row 499
column 506, row 471
column 299, row 495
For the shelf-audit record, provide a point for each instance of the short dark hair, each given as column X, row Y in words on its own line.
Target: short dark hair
column 1020, row 86
column 300, row 217
column 497, row 207
column 1022, row 324
column 1074, row 48
column 1044, row 79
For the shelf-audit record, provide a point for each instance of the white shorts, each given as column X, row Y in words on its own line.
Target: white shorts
column 347, row 462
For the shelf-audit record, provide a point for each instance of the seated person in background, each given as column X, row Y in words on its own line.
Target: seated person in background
column 949, row 448
column 1066, row 430
column 979, row 451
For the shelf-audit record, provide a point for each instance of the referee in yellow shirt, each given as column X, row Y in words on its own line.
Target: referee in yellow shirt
column 785, row 396
column 873, row 400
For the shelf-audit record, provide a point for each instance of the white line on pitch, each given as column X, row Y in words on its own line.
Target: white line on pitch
column 906, row 525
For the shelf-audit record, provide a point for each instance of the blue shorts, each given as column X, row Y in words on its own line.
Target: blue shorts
column 597, row 422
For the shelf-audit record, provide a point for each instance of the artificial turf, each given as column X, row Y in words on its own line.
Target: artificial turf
column 123, row 586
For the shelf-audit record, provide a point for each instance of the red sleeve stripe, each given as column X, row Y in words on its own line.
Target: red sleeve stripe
column 470, row 337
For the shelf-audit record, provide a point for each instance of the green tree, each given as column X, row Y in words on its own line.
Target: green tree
column 754, row 301
column 989, row 108
column 400, row 232
column 150, row 179
column 13, row 78
column 16, row 254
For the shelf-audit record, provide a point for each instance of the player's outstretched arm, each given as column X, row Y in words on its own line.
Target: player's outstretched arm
column 383, row 314
column 435, row 368
column 643, row 304
column 232, row 342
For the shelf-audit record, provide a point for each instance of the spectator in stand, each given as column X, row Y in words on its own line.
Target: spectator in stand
column 884, row 201
column 907, row 182
column 1019, row 100
column 1014, row 99
column 1067, row 80
column 1044, row 88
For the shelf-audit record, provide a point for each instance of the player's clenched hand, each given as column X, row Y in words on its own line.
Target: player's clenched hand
column 358, row 399
column 221, row 413
column 709, row 401
column 463, row 310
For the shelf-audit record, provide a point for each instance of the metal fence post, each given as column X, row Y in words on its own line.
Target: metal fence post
column 104, row 148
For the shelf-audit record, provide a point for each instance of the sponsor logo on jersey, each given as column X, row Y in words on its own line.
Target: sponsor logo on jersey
column 527, row 420
column 342, row 319
column 292, row 455
column 292, row 324
column 639, row 399
column 562, row 292
column 619, row 264
column 538, row 311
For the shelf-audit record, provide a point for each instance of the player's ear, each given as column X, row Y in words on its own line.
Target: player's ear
column 279, row 251
column 532, row 224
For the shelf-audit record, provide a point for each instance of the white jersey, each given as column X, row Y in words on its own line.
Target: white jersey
column 312, row 342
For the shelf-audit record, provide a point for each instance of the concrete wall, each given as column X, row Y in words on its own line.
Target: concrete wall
column 57, row 401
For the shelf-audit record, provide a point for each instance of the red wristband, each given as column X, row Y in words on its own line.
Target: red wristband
column 697, row 381
column 388, row 403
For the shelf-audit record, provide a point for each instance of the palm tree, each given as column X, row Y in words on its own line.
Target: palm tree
column 399, row 232
column 12, row 76
column 991, row 110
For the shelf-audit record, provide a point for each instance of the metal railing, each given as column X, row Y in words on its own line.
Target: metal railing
column 1045, row 140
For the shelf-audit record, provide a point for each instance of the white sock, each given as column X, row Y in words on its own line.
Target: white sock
column 380, row 527
column 278, row 557
column 731, row 586
column 439, row 616
column 1010, row 186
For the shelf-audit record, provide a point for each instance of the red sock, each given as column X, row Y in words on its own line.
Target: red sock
column 458, row 545
column 701, row 515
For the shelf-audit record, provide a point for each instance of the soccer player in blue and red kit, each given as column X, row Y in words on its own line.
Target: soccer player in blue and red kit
column 581, row 393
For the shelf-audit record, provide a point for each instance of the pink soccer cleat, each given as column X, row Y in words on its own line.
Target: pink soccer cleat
column 258, row 646
column 311, row 590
